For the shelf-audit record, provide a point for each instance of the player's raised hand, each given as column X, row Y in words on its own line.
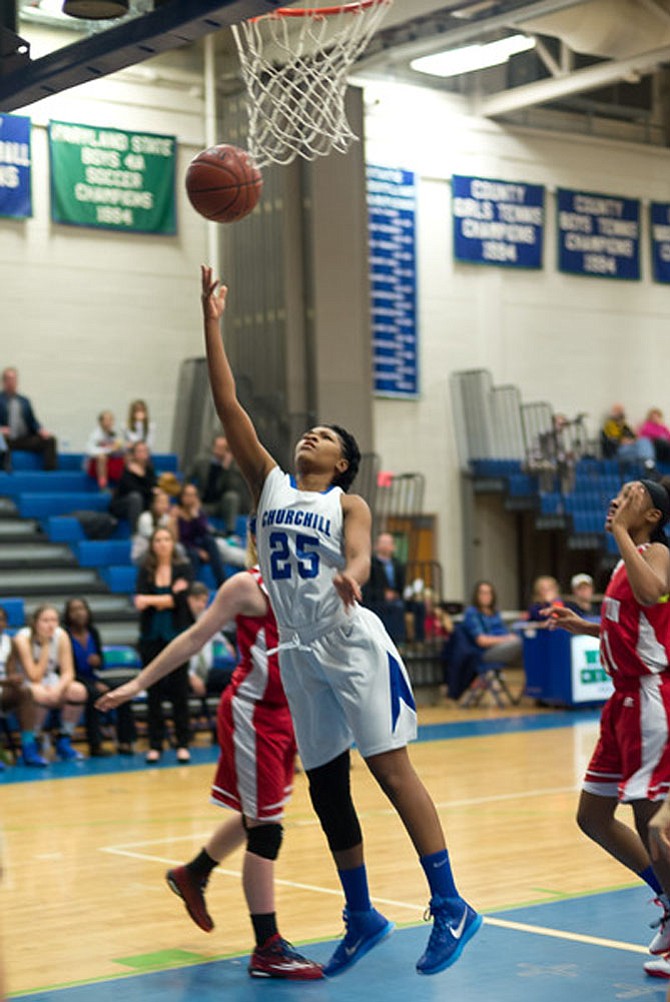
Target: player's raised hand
column 630, row 507
column 347, row 588
column 558, row 615
column 115, row 697
column 213, row 294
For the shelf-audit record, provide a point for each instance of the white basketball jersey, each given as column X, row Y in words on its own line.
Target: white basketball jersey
column 300, row 550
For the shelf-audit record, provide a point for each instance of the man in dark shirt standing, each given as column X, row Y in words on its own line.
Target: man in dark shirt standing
column 223, row 492
column 18, row 425
column 383, row 592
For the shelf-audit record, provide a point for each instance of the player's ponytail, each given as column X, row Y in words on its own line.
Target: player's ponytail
column 659, row 492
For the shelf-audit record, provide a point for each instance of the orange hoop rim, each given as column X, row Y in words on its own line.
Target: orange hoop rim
column 343, row 8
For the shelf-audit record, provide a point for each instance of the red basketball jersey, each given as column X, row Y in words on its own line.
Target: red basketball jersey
column 634, row 638
column 257, row 674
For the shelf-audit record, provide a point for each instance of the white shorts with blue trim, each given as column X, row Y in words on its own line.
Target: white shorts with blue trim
column 348, row 686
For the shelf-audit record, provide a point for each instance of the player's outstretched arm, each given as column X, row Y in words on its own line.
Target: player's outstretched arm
column 566, row 619
column 253, row 459
column 240, row 595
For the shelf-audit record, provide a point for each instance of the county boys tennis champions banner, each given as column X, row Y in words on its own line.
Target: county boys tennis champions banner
column 598, row 234
column 391, row 210
column 113, row 179
column 497, row 222
column 15, row 191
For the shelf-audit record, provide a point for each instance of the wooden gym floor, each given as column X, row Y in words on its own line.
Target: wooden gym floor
column 86, row 914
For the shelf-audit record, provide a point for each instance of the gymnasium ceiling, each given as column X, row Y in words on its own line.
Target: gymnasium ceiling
column 592, row 60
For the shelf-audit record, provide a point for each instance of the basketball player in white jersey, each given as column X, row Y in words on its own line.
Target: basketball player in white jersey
column 631, row 762
column 343, row 677
column 254, row 775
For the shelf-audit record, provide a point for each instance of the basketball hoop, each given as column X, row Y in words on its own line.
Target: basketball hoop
column 295, row 63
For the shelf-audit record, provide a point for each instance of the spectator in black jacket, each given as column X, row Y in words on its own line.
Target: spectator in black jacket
column 161, row 598
column 136, row 487
column 18, row 425
column 383, row 592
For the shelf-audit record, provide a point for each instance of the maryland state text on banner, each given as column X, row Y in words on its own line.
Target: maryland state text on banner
column 598, row 234
column 110, row 178
column 497, row 222
column 15, row 189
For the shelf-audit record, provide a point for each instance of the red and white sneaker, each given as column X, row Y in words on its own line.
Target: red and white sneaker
column 658, row 968
column 660, row 944
column 191, row 891
column 278, row 959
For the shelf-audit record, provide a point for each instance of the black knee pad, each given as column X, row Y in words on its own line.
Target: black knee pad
column 330, row 792
column 264, row 840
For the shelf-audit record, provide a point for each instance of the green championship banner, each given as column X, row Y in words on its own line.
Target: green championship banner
column 112, row 179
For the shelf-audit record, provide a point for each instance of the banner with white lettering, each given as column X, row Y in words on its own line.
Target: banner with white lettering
column 659, row 216
column 391, row 197
column 598, row 235
column 15, row 187
column 497, row 222
column 112, row 179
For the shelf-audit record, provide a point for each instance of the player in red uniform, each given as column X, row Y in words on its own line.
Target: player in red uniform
column 254, row 775
column 631, row 762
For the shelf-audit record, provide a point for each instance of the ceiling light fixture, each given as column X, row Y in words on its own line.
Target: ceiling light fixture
column 96, row 10
column 472, row 57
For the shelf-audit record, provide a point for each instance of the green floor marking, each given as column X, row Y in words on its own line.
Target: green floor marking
column 161, row 960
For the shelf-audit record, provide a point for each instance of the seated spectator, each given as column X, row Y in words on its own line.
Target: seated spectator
column 486, row 627
column 105, row 452
column 204, row 679
column 19, row 426
column 195, row 535
column 546, row 592
column 581, row 598
column 162, row 583
column 551, row 457
column 619, row 441
column 88, row 662
column 383, row 592
column 135, row 490
column 160, row 514
column 138, row 426
column 45, row 656
column 222, row 487
column 16, row 697
column 654, row 429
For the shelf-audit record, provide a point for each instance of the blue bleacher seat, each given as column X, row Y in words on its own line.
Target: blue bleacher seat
column 45, row 504
column 120, row 656
column 101, row 552
column 38, row 481
column 120, row 578
column 14, row 610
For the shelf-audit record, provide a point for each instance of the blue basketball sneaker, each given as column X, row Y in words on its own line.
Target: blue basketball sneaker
column 454, row 924
column 30, row 754
column 65, row 751
column 363, row 931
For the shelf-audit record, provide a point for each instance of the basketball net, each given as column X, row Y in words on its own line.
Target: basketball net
column 295, row 63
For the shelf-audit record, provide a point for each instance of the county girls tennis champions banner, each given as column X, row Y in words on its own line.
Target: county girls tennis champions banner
column 598, row 235
column 497, row 222
column 113, row 179
column 391, row 198
column 659, row 221
column 15, row 189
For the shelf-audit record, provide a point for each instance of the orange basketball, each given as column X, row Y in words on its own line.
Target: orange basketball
column 223, row 183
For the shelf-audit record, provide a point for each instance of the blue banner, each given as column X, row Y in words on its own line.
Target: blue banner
column 598, row 235
column 659, row 215
column 391, row 199
column 497, row 222
column 15, row 188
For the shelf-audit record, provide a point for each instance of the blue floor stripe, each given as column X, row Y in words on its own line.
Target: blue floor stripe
column 209, row 754
column 505, row 965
